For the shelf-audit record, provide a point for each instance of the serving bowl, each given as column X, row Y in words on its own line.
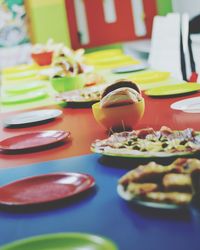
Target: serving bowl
column 119, row 118
column 43, row 58
column 67, row 83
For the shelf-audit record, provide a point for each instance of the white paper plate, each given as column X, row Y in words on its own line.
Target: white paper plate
column 32, row 117
column 189, row 105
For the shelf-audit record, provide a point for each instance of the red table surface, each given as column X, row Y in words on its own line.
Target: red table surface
column 84, row 129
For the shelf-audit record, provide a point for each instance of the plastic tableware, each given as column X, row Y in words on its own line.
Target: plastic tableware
column 33, row 140
column 32, row 117
column 67, row 83
column 119, row 118
column 192, row 110
column 113, row 62
column 23, row 88
column 149, row 77
column 189, row 105
column 44, row 188
column 19, row 68
column 43, row 58
column 27, row 97
column 173, row 90
column 63, row 241
column 103, row 53
column 21, row 75
column 129, row 68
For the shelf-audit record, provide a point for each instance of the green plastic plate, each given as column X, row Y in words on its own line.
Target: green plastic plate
column 24, row 88
column 28, row 97
column 62, row 241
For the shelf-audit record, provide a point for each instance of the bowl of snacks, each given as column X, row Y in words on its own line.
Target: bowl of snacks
column 70, row 71
column 121, row 106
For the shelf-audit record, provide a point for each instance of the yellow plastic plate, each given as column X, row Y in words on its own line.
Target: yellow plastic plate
column 149, row 77
column 103, row 53
column 19, row 68
column 21, row 75
column 175, row 89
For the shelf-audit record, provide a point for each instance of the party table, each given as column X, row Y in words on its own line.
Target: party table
column 84, row 129
column 100, row 211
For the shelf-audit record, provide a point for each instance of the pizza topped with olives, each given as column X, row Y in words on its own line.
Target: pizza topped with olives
column 149, row 143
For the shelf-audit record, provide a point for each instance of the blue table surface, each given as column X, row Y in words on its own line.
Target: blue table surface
column 100, row 211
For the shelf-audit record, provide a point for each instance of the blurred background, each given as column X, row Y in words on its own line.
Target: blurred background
column 88, row 24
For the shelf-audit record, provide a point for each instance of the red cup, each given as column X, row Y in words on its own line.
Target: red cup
column 43, row 58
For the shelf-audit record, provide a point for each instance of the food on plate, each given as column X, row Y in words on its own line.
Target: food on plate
column 181, row 182
column 172, row 197
column 68, row 61
column 121, row 83
column 167, row 184
column 89, row 94
column 64, row 61
column 187, row 165
column 123, row 92
column 141, row 188
column 148, row 173
column 120, row 107
column 148, row 142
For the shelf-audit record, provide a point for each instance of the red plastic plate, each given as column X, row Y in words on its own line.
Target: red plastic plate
column 33, row 140
column 44, row 188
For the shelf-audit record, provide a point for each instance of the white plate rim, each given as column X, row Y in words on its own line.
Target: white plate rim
column 53, row 113
column 177, row 105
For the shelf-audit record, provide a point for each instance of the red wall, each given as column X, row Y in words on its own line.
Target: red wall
column 102, row 33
